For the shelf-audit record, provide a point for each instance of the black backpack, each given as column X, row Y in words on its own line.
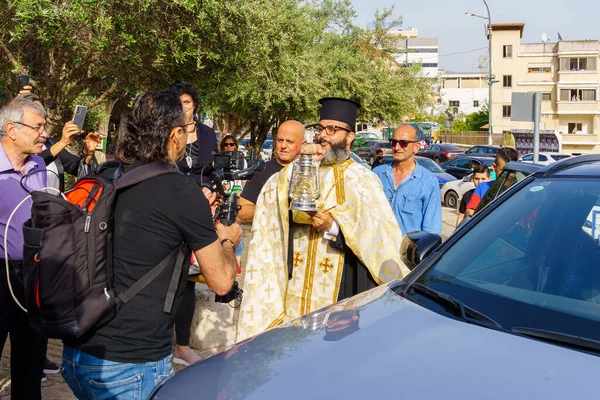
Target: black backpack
column 67, row 258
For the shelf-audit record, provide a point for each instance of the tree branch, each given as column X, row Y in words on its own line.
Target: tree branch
column 12, row 58
column 104, row 96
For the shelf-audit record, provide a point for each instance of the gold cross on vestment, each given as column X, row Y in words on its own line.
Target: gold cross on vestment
column 250, row 271
column 270, row 191
column 251, row 313
column 269, row 289
column 326, row 265
column 324, row 285
column 297, row 259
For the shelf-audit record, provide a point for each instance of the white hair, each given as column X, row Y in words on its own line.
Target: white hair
column 13, row 112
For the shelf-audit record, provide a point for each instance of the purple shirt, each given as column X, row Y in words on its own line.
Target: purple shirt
column 12, row 195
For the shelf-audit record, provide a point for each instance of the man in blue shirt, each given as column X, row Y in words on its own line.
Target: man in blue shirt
column 413, row 191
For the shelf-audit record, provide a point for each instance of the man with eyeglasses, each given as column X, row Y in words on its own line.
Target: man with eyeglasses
column 300, row 261
column 22, row 136
column 412, row 190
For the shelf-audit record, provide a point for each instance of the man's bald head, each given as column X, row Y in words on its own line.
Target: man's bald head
column 289, row 141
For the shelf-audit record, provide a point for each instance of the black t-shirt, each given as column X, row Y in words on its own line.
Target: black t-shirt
column 255, row 185
column 465, row 200
column 151, row 218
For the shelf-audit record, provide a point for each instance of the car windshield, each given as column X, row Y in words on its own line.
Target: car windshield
column 429, row 165
column 534, row 261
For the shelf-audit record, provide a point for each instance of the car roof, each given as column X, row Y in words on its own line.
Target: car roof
column 528, row 168
column 584, row 166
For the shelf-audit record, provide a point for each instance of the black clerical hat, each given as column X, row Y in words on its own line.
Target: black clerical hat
column 339, row 109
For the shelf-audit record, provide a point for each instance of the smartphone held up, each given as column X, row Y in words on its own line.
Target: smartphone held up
column 79, row 116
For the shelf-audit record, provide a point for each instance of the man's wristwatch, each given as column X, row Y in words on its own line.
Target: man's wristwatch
column 227, row 240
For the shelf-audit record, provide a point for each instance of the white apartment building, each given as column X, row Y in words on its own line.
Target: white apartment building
column 567, row 75
column 463, row 93
column 418, row 50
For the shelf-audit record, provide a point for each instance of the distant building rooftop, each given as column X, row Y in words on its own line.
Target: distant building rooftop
column 509, row 26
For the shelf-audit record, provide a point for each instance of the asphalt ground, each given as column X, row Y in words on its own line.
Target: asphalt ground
column 55, row 387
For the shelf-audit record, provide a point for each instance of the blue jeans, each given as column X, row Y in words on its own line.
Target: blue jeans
column 93, row 378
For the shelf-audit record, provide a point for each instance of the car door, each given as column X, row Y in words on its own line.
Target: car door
column 460, row 167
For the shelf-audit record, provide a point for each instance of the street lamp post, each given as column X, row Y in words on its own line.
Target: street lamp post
column 491, row 80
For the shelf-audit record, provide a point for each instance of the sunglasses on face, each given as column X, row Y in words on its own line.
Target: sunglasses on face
column 402, row 143
column 228, row 144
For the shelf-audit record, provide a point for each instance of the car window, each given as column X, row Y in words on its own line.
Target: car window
column 533, row 261
column 433, row 147
column 557, row 157
column 542, row 157
column 384, row 145
column 507, row 179
column 463, row 163
column 491, row 150
column 528, row 157
column 473, row 150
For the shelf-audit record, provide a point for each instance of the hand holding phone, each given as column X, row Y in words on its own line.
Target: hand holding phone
column 79, row 116
column 23, row 81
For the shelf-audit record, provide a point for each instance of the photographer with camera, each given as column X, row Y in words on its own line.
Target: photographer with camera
column 131, row 354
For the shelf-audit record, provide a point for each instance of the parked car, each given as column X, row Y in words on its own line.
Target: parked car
column 463, row 166
column 482, row 151
column 453, row 191
column 431, row 166
column 367, row 152
column 507, row 307
column 267, row 150
column 440, row 152
column 367, row 135
column 544, row 158
column 359, row 160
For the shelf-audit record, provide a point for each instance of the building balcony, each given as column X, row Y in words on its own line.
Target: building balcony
column 578, row 47
column 585, row 76
column 578, row 107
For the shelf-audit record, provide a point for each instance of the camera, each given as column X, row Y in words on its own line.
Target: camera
column 230, row 166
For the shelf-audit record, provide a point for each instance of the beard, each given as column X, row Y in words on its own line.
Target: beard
column 336, row 153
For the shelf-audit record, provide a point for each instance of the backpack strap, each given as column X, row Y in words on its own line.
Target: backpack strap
column 144, row 172
column 178, row 254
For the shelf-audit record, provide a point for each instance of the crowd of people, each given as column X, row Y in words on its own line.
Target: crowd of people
column 298, row 261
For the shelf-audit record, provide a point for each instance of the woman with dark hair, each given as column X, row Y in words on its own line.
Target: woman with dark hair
column 201, row 142
column 228, row 143
column 197, row 163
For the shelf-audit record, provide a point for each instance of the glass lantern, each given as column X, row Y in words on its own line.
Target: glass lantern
column 304, row 186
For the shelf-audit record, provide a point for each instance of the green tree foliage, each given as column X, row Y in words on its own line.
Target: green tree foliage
column 256, row 62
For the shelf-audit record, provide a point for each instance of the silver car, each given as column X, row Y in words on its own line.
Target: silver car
column 507, row 308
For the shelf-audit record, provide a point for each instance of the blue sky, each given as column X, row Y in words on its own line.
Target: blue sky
column 575, row 20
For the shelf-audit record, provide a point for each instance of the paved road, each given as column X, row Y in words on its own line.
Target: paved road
column 56, row 389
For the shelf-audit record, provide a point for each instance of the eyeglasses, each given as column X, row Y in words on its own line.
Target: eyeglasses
column 228, row 144
column 184, row 126
column 39, row 129
column 331, row 129
column 402, row 143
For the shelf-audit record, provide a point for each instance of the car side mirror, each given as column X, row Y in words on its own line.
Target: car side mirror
column 416, row 246
column 466, row 179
